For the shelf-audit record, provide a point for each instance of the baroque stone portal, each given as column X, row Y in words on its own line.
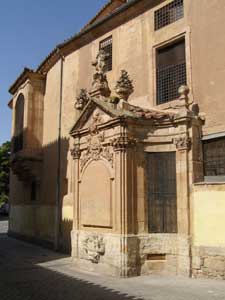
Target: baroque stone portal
column 112, row 147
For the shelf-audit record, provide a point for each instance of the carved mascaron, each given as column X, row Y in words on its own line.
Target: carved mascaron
column 94, row 247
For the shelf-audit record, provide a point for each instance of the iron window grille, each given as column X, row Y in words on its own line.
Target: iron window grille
column 170, row 71
column 169, row 13
column 214, row 157
column 106, row 45
column 169, row 79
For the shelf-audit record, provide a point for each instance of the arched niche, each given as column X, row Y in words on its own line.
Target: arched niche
column 19, row 123
column 96, row 196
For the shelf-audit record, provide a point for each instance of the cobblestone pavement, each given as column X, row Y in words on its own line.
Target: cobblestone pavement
column 30, row 272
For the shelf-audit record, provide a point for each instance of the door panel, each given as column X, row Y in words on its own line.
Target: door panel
column 162, row 194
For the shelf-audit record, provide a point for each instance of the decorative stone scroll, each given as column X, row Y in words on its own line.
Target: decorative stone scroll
column 96, row 146
column 94, row 247
column 96, row 150
column 182, row 142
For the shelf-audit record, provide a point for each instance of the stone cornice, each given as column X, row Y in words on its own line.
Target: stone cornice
column 10, row 103
column 26, row 74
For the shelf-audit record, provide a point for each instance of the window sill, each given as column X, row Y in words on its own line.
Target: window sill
column 213, row 180
column 209, row 183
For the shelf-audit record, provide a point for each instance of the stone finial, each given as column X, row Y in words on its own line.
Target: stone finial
column 100, row 61
column 82, row 99
column 124, row 86
column 100, row 87
column 184, row 92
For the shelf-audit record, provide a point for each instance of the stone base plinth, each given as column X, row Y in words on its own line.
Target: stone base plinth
column 111, row 254
column 167, row 254
column 208, row 262
column 131, row 255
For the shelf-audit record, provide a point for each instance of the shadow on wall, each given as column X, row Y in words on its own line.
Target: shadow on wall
column 34, row 189
column 66, row 228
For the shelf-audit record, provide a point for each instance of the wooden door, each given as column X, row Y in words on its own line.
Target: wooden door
column 162, row 192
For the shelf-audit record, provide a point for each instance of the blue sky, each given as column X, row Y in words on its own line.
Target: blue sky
column 29, row 30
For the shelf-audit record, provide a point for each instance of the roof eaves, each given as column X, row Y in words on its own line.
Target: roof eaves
column 85, row 30
column 26, row 73
column 98, row 13
column 22, row 75
column 10, row 104
column 111, row 2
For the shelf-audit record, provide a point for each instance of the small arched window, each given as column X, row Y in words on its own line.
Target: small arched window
column 19, row 123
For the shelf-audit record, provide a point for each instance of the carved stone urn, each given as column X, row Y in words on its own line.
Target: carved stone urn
column 124, row 86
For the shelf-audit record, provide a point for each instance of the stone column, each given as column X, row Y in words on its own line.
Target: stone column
column 183, row 144
column 125, row 199
column 75, row 152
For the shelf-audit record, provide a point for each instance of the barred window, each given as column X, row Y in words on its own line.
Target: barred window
column 170, row 71
column 214, row 158
column 106, row 45
column 169, row 13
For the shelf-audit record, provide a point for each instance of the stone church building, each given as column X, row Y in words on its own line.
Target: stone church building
column 118, row 142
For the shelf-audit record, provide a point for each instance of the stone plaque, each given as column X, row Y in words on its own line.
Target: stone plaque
column 96, row 196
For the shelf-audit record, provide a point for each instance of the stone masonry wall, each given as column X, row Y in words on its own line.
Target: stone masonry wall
column 174, row 247
column 208, row 262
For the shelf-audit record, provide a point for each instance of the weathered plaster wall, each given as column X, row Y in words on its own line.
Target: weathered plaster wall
column 208, row 223
column 30, row 221
column 208, row 215
column 208, row 62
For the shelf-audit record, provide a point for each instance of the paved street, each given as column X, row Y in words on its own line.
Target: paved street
column 30, row 272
